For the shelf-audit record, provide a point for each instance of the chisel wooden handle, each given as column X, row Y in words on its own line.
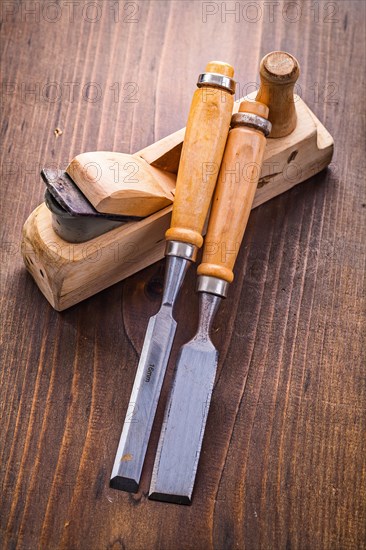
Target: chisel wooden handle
column 234, row 194
column 203, row 148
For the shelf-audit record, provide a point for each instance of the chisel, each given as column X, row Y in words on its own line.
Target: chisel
column 186, row 412
column 203, row 147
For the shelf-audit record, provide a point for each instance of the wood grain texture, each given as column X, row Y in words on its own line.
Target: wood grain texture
column 283, row 459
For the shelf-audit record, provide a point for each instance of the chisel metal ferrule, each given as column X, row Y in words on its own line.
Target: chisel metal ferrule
column 212, row 285
column 253, row 121
column 182, row 250
column 216, row 80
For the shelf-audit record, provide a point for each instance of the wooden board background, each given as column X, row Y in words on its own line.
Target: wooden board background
column 283, row 461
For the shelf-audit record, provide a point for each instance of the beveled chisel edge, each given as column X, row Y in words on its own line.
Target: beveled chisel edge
column 173, row 499
column 124, row 484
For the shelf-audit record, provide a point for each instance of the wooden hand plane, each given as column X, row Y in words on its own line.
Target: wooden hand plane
column 124, row 201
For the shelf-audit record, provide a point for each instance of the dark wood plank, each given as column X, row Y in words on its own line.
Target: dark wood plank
column 283, row 460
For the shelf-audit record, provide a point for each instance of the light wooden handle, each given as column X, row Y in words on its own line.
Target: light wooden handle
column 203, row 148
column 234, row 194
column 279, row 72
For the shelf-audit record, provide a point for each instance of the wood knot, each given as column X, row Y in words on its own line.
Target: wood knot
column 155, row 287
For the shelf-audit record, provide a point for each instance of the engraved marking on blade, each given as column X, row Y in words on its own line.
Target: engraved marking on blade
column 150, row 371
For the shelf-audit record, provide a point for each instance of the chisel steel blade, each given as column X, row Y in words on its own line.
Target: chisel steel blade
column 149, row 378
column 184, row 423
column 143, row 402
